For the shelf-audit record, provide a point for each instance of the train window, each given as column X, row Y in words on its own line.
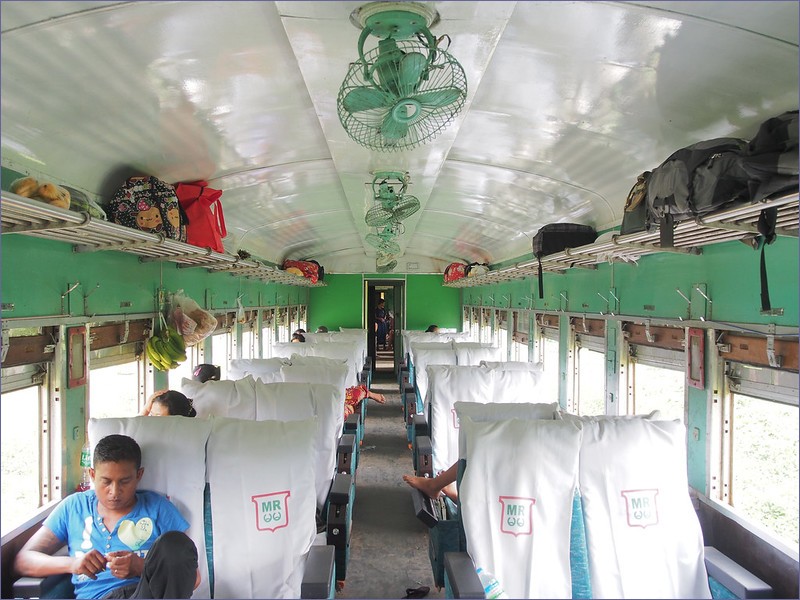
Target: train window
column 284, row 331
column 221, row 347
column 657, row 381
column 303, row 317
column 521, row 336
column 549, row 349
column 194, row 357
column 485, row 326
column 267, row 332
column 501, row 331
column 590, row 385
column 465, row 314
column 24, row 450
column 114, row 381
column 763, row 448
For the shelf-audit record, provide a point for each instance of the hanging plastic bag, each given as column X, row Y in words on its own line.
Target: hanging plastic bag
column 241, row 317
column 194, row 323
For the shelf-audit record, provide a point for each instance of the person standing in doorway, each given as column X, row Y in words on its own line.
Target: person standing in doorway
column 381, row 324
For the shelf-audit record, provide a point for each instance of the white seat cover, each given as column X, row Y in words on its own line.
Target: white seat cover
column 313, row 338
column 643, row 535
column 226, row 398
column 286, row 349
column 501, row 411
column 316, row 372
column 516, row 499
column 446, row 386
column 423, row 357
column 263, row 505
column 518, row 386
column 348, row 351
column 513, row 365
column 174, row 461
column 300, row 401
column 260, row 368
column 470, row 353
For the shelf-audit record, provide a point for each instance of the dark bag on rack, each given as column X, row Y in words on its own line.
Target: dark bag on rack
column 320, row 270
column 206, row 226
column 557, row 237
column 636, row 218
column 149, row 204
column 771, row 160
column 454, row 272
column 695, row 181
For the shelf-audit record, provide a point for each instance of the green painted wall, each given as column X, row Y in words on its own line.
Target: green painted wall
column 429, row 302
column 339, row 304
column 729, row 270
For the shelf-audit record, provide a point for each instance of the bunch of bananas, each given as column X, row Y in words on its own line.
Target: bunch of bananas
column 167, row 349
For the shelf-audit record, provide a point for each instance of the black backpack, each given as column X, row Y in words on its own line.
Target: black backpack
column 695, row 181
column 557, row 237
column 771, row 159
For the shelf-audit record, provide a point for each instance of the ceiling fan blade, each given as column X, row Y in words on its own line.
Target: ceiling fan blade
column 377, row 216
column 392, row 129
column 366, row 98
column 438, row 98
column 410, row 72
column 406, row 207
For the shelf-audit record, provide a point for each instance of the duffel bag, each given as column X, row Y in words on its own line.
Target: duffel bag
column 695, row 181
column 304, row 268
column 557, row 237
column 771, row 160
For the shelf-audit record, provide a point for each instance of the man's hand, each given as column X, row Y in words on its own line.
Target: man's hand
column 125, row 564
column 90, row 564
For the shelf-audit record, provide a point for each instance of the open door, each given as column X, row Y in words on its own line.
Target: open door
column 384, row 341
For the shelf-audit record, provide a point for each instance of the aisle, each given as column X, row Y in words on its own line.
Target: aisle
column 389, row 545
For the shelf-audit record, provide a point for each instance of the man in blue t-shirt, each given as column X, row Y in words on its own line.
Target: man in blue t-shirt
column 123, row 543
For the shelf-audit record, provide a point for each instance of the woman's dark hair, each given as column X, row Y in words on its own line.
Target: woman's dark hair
column 117, row 448
column 299, row 331
column 176, row 403
column 299, row 337
column 322, row 329
column 206, row 372
column 431, row 329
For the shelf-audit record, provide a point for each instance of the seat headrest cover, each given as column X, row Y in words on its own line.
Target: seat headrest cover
column 226, row 398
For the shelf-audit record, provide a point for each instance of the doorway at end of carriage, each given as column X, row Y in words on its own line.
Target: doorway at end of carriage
column 385, row 357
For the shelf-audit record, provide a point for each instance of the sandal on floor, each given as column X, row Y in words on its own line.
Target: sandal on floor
column 419, row 592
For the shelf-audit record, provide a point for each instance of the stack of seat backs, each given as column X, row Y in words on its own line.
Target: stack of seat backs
column 349, row 351
column 448, row 384
column 471, row 353
column 316, row 369
column 226, row 398
column 260, row 368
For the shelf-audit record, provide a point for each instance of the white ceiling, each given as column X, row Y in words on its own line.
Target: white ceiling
column 567, row 103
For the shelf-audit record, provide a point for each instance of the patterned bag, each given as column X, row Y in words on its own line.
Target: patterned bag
column 310, row 269
column 149, row 204
column 455, row 271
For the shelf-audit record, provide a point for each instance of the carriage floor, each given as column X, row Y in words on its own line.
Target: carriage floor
column 389, row 545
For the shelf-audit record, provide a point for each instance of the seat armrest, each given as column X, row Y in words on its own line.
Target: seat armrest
column 346, row 453
column 460, row 577
column 421, row 427
column 340, row 490
column 423, row 456
column 423, row 508
column 53, row 586
column 351, row 423
column 319, row 576
column 738, row 580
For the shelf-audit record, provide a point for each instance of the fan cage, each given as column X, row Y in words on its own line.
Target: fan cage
column 364, row 126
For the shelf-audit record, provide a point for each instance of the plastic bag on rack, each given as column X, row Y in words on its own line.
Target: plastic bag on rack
column 193, row 322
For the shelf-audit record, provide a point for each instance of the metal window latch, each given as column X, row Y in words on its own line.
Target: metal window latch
column 650, row 337
column 773, row 359
column 6, row 339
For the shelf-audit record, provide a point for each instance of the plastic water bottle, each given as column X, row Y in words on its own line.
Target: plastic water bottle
column 491, row 587
column 86, row 463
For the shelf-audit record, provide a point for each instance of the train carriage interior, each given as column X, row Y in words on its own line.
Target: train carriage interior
column 500, row 299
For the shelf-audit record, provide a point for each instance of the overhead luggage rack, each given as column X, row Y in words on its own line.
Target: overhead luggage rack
column 88, row 234
column 690, row 237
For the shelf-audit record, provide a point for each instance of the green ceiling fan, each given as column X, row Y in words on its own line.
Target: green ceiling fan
column 392, row 204
column 402, row 93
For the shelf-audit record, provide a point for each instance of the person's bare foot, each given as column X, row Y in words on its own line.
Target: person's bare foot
column 426, row 485
column 379, row 398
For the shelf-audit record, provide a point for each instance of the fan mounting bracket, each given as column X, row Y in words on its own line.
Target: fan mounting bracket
column 397, row 20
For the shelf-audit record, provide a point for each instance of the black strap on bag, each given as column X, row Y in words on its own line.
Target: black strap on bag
column 541, row 285
column 766, row 227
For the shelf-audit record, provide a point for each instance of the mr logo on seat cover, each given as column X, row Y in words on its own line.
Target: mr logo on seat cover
column 515, row 516
column 272, row 510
